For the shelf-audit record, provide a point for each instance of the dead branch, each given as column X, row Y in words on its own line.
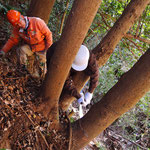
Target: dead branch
column 35, row 126
column 139, row 47
column 127, row 45
column 138, row 27
column 105, row 21
column 117, row 134
column 63, row 17
column 129, row 35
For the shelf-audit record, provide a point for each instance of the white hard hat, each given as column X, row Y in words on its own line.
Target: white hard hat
column 81, row 60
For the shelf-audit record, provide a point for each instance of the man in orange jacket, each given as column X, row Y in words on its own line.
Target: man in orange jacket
column 35, row 34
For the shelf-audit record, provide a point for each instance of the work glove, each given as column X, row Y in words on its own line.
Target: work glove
column 81, row 99
column 2, row 53
column 80, row 111
column 88, row 96
column 81, row 103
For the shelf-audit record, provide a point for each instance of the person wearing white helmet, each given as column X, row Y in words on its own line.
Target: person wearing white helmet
column 84, row 61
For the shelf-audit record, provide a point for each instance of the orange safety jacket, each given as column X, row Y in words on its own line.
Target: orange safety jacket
column 37, row 35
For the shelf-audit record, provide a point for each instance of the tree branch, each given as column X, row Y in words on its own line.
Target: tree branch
column 129, row 35
column 137, row 29
column 63, row 17
column 144, row 148
column 129, row 49
column 139, row 47
column 104, row 50
column 105, row 21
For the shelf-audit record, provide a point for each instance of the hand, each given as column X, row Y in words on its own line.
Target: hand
column 2, row 53
column 81, row 99
column 88, row 96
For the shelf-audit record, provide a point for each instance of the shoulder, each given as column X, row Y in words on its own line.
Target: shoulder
column 92, row 65
column 36, row 20
column 92, row 57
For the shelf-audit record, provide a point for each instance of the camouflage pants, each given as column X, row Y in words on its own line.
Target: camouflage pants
column 32, row 60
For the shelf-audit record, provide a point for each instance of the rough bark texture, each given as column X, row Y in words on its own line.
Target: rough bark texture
column 41, row 9
column 77, row 25
column 132, row 86
column 104, row 50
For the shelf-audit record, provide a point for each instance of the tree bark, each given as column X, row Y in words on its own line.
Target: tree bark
column 77, row 25
column 132, row 86
column 104, row 50
column 41, row 9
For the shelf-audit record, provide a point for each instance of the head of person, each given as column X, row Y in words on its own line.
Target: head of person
column 16, row 19
column 81, row 60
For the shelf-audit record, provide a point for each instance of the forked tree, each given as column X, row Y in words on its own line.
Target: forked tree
column 120, row 98
column 132, row 86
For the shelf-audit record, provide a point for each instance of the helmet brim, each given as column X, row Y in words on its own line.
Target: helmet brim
column 79, row 68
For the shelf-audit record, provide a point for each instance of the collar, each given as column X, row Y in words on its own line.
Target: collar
column 27, row 22
column 27, row 25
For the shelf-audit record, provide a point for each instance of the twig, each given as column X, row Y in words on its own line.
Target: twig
column 70, row 133
column 34, row 126
column 13, row 78
column 137, row 29
column 63, row 17
column 127, row 139
column 92, row 30
column 129, row 35
column 19, row 145
column 108, row 16
column 145, row 12
column 130, row 50
column 139, row 47
column 94, row 33
column 104, row 20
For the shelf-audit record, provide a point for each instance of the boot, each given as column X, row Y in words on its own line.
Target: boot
column 32, row 67
column 43, row 69
column 36, row 70
column 30, row 64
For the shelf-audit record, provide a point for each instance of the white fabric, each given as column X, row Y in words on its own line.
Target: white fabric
column 27, row 22
column 81, row 99
column 80, row 111
column 84, row 100
column 88, row 96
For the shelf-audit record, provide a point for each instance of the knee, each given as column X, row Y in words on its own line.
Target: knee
column 25, row 49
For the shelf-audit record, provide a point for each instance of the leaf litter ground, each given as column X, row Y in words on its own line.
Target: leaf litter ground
column 20, row 125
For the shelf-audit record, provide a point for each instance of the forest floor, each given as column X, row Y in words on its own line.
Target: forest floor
column 23, row 127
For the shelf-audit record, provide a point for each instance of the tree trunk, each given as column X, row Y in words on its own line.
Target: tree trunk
column 132, row 86
column 41, row 9
column 77, row 25
column 104, row 50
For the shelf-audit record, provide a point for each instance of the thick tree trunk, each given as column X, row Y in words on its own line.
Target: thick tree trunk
column 77, row 25
column 104, row 50
column 132, row 86
column 41, row 9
